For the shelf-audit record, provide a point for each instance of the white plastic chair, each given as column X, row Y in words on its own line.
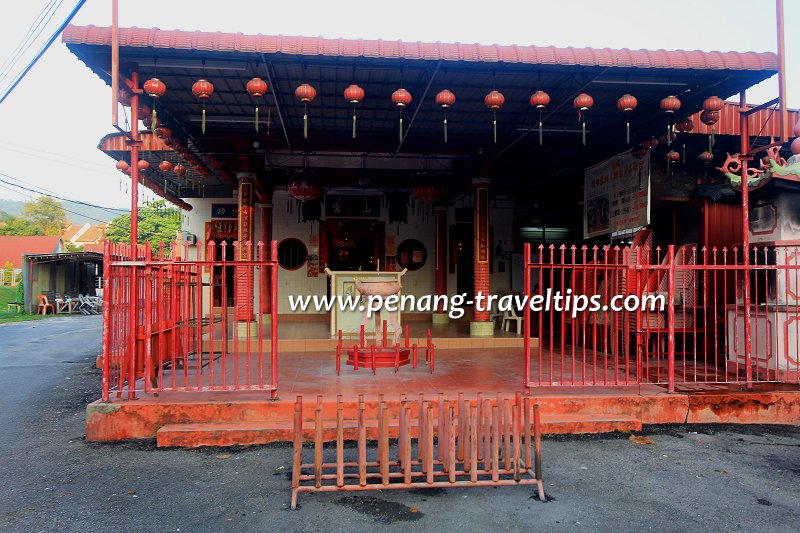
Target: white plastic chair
column 509, row 317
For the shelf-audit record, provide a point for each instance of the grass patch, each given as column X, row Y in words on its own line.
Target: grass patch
column 8, row 295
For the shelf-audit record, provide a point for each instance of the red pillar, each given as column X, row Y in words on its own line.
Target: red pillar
column 481, row 326
column 244, row 275
column 266, row 238
column 440, row 272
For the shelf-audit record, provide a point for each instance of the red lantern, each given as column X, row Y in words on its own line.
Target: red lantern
column 256, row 88
column 122, row 165
column 684, row 126
column 670, row 105
column 706, row 157
column 639, row 152
column 583, row 102
column 165, row 166
column 650, row 144
column 162, row 132
column 713, row 103
column 494, row 100
column 179, row 170
column 203, row 89
column 626, row 104
column 306, row 94
column 540, row 101
column 155, row 89
column 303, row 190
column 672, row 156
column 354, row 94
column 427, row 193
column 401, row 98
column 667, row 139
column 445, row 99
column 143, row 165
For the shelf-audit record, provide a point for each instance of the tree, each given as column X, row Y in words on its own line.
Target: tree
column 157, row 223
column 20, row 226
column 43, row 216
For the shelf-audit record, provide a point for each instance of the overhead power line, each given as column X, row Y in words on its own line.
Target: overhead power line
column 41, row 51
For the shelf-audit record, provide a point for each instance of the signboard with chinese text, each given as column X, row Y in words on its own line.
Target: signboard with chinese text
column 616, row 195
column 352, row 206
column 224, row 211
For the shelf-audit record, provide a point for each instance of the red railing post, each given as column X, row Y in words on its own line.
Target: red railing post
column 526, row 316
column 274, row 322
column 107, row 298
column 671, row 317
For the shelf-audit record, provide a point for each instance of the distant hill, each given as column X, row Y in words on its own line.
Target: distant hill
column 76, row 213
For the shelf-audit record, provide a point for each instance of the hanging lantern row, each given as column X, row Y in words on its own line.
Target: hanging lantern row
column 494, row 100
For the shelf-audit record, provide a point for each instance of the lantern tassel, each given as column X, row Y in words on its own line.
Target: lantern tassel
column 401, row 124
column 684, row 153
column 583, row 132
column 354, row 122
column 269, row 119
column 445, row 125
column 305, row 121
column 627, row 128
column 540, row 127
column 203, row 121
column 494, row 126
column 256, row 119
column 153, row 116
column 712, row 135
column 669, row 134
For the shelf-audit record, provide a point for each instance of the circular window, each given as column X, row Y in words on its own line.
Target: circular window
column 292, row 253
column 411, row 254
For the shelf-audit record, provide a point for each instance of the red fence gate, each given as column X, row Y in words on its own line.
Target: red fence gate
column 175, row 324
column 697, row 339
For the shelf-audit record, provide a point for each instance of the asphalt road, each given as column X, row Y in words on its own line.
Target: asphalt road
column 692, row 478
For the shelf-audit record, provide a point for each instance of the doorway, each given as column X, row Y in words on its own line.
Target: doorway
column 354, row 244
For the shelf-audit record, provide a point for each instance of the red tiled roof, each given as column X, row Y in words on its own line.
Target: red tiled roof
column 12, row 247
column 312, row 46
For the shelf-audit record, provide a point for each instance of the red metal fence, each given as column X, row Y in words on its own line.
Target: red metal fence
column 446, row 442
column 173, row 324
column 698, row 339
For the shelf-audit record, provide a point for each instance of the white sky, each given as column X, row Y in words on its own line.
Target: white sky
column 50, row 125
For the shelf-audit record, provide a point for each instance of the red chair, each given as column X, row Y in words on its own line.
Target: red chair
column 44, row 304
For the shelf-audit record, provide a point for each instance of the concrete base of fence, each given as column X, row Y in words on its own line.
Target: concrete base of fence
column 225, row 418
column 439, row 319
column 481, row 329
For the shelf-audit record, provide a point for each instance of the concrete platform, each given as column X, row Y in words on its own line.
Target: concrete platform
column 223, row 418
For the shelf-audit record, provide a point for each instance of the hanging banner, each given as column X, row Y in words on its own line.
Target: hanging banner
column 616, row 195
